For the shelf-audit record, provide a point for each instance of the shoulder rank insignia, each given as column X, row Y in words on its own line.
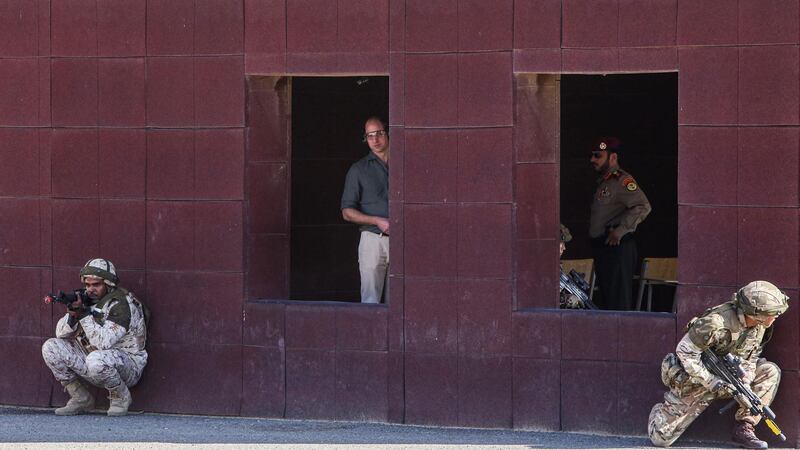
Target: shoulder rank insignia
column 630, row 184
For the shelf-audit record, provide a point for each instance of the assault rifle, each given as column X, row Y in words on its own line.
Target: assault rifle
column 68, row 298
column 729, row 369
column 577, row 286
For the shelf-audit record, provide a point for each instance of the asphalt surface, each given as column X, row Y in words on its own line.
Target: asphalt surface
column 35, row 428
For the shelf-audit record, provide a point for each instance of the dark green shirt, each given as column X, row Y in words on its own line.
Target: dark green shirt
column 366, row 188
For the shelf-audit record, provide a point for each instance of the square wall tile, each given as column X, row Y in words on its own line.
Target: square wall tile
column 268, row 112
column 769, row 22
column 309, row 26
column 700, row 148
column 537, row 273
column 710, row 22
column 479, row 257
column 650, row 23
column 430, row 155
column 310, row 384
column 484, row 317
column 765, row 253
column 127, row 148
column 170, row 92
column 263, row 325
column 537, row 112
column 707, row 245
column 45, row 92
column 20, row 98
column 646, row 338
column 219, row 296
column 263, row 382
column 431, row 25
column 74, row 168
column 20, row 224
column 708, row 84
column 166, row 301
column 219, row 91
column 122, row 232
column 589, row 391
column 359, row 328
column 363, row 26
column 170, row 164
column 484, row 165
column 24, row 283
column 35, row 392
column 361, row 386
column 19, row 162
column 219, row 26
column 73, row 27
column 219, row 164
column 598, row 339
column 267, row 193
column 218, row 236
column 121, row 27
column 591, row 60
column 769, row 93
column 537, row 394
column 70, row 246
column 170, row 27
column 431, row 315
column 537, row 24
column 590, row 24
column 485, row 25
column 268, row 267
column 397, row 89
column 769, row 166
column 484, row 391
column 537, row 201
column 397, row 171
column 310, row 326
column 74, row 92
column 265, row 26
column 397, row 26
column 432, row 90
column 537, row 334
column 484, row 89
column 19, row 28
column 121, row 98
column 431, row 240
column 170, row 235
column 544, row 60
column 648, row 59
column 431, row 389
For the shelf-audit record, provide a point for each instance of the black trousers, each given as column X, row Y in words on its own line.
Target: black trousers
column 614, row 267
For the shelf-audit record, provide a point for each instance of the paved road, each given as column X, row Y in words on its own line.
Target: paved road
column 31, row 428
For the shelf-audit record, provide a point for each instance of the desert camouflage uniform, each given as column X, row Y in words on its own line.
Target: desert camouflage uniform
column 722, row 329
column 103, row 350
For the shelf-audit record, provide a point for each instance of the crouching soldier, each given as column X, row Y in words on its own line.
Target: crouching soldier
column 101, row 343
column 740, row 327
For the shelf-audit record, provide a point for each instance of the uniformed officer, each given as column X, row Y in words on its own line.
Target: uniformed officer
column 741, row 327
column 619, row 205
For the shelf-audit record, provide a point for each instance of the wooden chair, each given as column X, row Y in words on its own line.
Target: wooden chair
column 656, row 272
column 584, row 266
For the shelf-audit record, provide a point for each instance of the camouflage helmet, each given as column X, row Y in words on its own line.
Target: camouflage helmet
column 565, row 236
column 762, row 298
column 100, row 268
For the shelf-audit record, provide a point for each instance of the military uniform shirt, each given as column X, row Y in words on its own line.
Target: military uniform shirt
column 618, row 203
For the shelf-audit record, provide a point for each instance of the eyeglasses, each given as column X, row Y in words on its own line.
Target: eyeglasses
column 597, row 154
column 372, row 135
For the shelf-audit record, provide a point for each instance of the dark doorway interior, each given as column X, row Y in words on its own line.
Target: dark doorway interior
column 328, row 115
column 642, row 110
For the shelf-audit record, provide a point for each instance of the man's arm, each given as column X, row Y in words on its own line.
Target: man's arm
column 638, row 208
column 113, row 328
column 357, row 217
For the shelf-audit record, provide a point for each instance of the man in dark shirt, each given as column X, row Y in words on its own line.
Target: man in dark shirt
column 365, row 201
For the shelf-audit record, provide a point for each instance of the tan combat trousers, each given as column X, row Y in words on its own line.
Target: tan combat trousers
column 373, row 264
column 103, row 368
column 682, row 405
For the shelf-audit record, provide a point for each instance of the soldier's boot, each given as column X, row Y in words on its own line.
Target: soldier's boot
column 121, row 399
column 744, row 435
column 80, row 399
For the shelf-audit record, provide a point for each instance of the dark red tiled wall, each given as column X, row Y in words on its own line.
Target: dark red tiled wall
column 123, row 132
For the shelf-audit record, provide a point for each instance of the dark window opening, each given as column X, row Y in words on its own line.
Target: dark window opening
column 641, row 110
column 327, row 127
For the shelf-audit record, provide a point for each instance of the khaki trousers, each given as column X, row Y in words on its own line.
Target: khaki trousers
column 373, row 264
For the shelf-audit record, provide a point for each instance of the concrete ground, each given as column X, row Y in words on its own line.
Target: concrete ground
column 36, row 428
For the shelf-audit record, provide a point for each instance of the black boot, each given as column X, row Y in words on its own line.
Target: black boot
column 745, row 436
